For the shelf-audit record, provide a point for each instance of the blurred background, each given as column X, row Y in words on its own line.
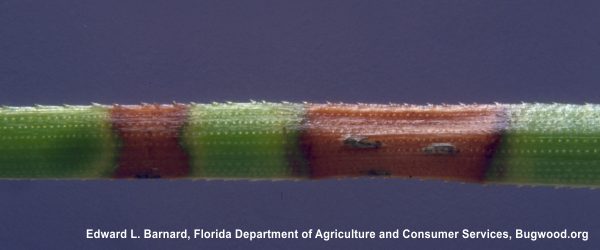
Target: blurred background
column 127, row 52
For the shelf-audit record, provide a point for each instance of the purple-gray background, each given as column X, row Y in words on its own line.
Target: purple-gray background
column 77, row 52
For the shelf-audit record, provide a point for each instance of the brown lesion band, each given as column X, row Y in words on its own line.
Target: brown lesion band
column 451, row 142
column 150, row 141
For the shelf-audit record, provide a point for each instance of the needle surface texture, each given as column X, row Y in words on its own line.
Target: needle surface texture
column 523, row 144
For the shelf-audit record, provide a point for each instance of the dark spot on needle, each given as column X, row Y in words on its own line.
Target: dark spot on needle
column 147, row 176
column 375, row 173
column 441, row 148
column 360, row 142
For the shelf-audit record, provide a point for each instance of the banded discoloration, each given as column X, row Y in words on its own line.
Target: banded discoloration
column 429, row 142
column 525, row 144
column 150, row 135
